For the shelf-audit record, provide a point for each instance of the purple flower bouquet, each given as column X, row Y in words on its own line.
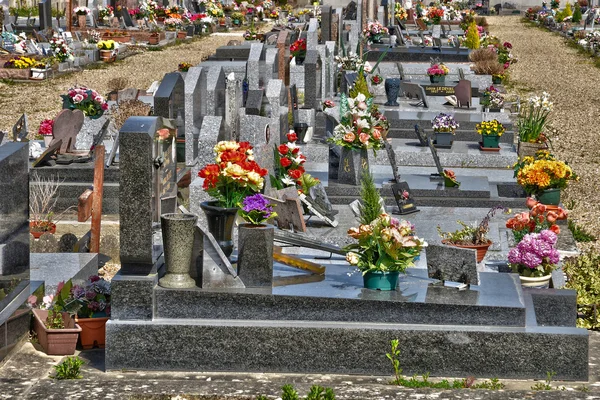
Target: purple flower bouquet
column 257, row 209
column 535, row 255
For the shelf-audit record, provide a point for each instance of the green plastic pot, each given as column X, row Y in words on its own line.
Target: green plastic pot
column 449, row 182
column 549, row 197
column 491, row 142
column 378, row 280
column 180, row 150
column 437, row 78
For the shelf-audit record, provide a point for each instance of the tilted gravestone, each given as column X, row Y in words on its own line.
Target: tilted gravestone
column 403, row 198
column 414, row 91
column 454, row 264
column 462, row 92
column 169, row 100
column 67, row 125
column 126, row 17
column 20, row 130
column 45, row 159
column 421, row 135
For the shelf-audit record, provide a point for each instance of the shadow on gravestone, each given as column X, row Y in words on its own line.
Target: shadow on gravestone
column 453, row 264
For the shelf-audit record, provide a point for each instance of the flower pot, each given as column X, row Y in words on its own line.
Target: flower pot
column 56, row 342
column 34, row 230
column 140, row 23
column 106, row 55
column 220, row 222
column 437, row 78
column 449, row 182
column 378, row 280
column 529, row 149
column 480, row 248
column 300, row 59
column 93, row 332
column 181, row 34
column 255, row 254
column 491, row 142
column 549, row 197
column 153, row 40
column 352, row 164
column 300, row 129
column 392, row 89
column 82, row 21
column 376, row 39
column 178, row 244
column 496, row 80
column 542, row 282
column 443, row 139
column 48, row 140
column 39, row 74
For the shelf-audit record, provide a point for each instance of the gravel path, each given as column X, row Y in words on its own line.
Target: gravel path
column 547, row 63
column 42, row 99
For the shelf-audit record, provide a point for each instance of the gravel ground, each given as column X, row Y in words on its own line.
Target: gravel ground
column 546, row 63
column 41, row 100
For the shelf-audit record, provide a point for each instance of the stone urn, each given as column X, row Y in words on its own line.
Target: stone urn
column 178, row 243
column 255, row 254
column 220, row 222
column 353, row 162
column 392, row 89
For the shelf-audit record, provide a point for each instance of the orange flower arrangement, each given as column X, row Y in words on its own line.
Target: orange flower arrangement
column 543, row 172
column 535, row 220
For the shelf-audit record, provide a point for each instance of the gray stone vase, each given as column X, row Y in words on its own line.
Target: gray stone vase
column 178, row 243
column 392, row 89
column 255, row 254
column 352, row 164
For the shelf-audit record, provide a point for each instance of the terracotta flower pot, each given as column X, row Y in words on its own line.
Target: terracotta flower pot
column 93, row 332
column 106, row 55
column 181, row 34
column 36, row 232
column 154, row 39
column 480, row 248
column 56, row 342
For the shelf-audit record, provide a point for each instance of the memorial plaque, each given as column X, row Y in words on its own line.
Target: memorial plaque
column 454, row 264
column 436, row 31
column 67, row 125
column 443, row 90
column 404, row 201
column 463, row 94
column 126, row 17
column 316, row 210
column 19, row 129
column 46, row 158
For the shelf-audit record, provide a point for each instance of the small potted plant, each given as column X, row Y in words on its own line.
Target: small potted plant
column 490, row 132
column 544, row 176
column 386, row 247
column 374, row 31
column 538, row 218
column 82, row 13
column 531, row 123
column 298, row 51
column 104, row 14
column 40, row 70
column 139, row 15
column 54, row 325
column 94, row 311
column 18, row 68
column 237, row 17
column 234, row 176
column 43, row 195
column 154, row 37
column 85, row 99
column 46, row 131
column 444, row 127
column 450, row 178
column 497, row 79
column 107, row 50
column 492, row 100
column 184, row 67
column 255, row 242
column 472, row 236
column 376, row 80
column 534, row 258
column 437, row 73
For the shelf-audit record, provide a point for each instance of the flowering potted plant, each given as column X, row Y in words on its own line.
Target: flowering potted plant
column 154, row 37
column 46, row 131
column 40, row 69
column 450, row 178
column 107, row 50
column 60, row 50
column 137, row 14
column 82, row 13
column 490, row 132
column 435, row 15
column 54, row 325
column 538, row 218
column 399, row 12
column 18, row 67
column 104, row 13
column 234, row 176
column 362, row 127
column 386, row 247
column 289, row 161
column 472, row 236
column 531, row 123
column 87, row 100
column 298, row 50
column 237, row 17
column 376, row 80
column 492, row 100
column 437, row 73
column 94, row 311
column 255, row 242
column 250, row 34
column 534, row 258
column 544, row 176
column 184, row 67
column 444, row 127
column 173, row 24
column 374, row 31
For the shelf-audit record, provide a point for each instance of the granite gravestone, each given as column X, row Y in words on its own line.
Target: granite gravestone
column 463, row 93
column 169, row 100
column 436, row 158
column 126, row 17
column 403, row 198
column 67, row 125
column 45, row 13
column 454, row 264
column 421, row 135
column 350, row 11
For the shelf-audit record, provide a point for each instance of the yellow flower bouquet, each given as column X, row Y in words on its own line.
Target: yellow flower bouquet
column 543, row 172
column 490, row 128
column 106, row 45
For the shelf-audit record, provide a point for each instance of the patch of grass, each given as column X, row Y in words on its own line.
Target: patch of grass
column 9, row 82
column 68, row 369
column 579, row 233
column 546, row 385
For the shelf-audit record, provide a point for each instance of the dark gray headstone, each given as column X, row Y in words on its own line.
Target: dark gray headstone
column 19, row 129
column 45, row 12
column 403, row 198
column 254, row 102
column 436, row 158
column 350, row 12
column 392, row 158
column 421, row 135
column 126, row 17
column 454, row 264
column 326, row 23
column 169, row 100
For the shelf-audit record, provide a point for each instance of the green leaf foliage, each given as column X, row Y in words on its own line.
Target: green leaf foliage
column 370, row 208
column 584, row 277
column 68, row 369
